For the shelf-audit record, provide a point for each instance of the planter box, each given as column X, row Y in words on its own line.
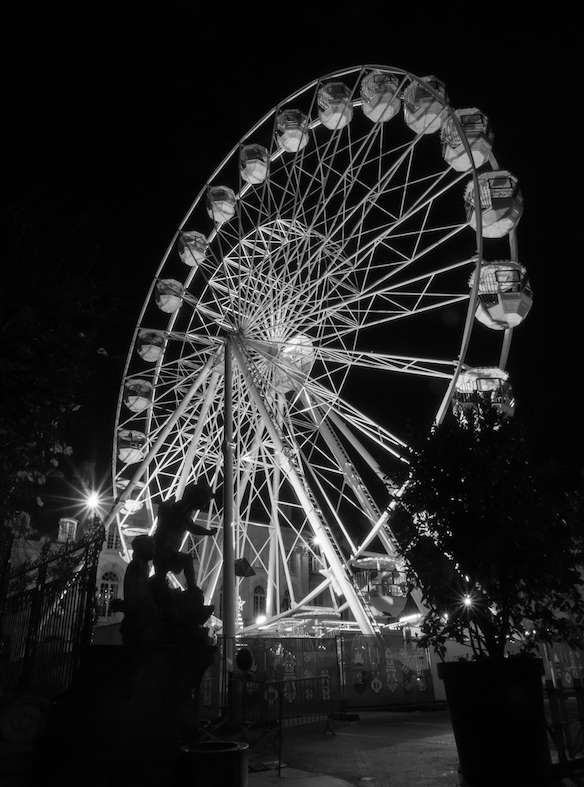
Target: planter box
column 498, row 719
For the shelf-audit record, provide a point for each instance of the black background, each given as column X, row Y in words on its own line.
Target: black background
column 117, row 117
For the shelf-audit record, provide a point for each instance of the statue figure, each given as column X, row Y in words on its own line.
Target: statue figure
column 155, row 613
column 175, row 519
column 141, row 621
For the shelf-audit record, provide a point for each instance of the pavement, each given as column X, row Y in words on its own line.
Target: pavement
column 377, row 749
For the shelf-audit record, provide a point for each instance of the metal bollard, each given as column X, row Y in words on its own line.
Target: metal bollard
column 222, row 763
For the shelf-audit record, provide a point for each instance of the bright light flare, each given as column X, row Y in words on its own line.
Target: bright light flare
column 93, row 501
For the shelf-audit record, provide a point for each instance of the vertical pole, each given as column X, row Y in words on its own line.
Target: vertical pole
column 280, row 722
column 33, row 630
column 228, row 551
column 89, row 584
column 6, row 542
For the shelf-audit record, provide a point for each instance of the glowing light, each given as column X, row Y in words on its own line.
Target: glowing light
column 261, row 619
column 467, row 601
column 93, row 501
column 411, row 618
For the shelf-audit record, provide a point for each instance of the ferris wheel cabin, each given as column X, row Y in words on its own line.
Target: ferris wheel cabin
column 131, row 446
column 137, row 394
column 501, row 203
column 476, row 129
column 423, row 112
column 133, row 503
column 149, row 345
column 292, row 130
column 484, row 385
column 220, row 204
column 253, row 163
column 168, row 295
column 379, row 93
column 335, row 109
column 505, row 296
column 192, row 248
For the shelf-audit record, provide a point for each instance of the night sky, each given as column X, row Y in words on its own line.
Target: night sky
column 117, row 119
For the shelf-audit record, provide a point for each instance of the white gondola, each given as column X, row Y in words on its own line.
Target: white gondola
column 334, row 105
column 484, row 385
column 254, row 163
column 149, row 345
column 382, row 583
column 423, row 112
column 220, row 203
column 477, row 131
column 501, row 203
column 192, row 248
column 379, row 93
column 168, row 295
column 292, row 130
column 505, row 296
column 137, row 394
column 133, row 503
column 131, row 446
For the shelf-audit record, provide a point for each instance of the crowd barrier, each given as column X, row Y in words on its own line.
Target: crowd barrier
column 257, row 710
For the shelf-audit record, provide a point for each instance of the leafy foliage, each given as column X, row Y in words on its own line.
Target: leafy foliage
column 497, row 556
column 48, row 349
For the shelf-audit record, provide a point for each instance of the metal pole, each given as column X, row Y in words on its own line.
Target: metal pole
column 229, row 610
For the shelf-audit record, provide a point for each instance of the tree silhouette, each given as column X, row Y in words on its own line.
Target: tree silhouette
column 50, row 315
column 497, row 554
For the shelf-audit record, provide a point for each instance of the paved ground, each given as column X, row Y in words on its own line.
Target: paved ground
column 391, row 749
column 381, row 749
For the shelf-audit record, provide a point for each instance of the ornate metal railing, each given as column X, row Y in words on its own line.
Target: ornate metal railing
column 47, row 615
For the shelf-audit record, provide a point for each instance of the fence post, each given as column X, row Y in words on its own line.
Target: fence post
column 339, row 642
column 90, row 584
column 280, row 726
column 32, row 630
column 6, row 542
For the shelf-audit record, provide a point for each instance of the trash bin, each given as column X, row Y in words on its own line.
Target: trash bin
column 214, row 763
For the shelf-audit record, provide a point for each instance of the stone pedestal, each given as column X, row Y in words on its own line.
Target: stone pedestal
column 125, row 716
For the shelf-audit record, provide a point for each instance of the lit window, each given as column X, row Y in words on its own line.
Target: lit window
column 113, row 537
column 108, row 590
column 259, row 601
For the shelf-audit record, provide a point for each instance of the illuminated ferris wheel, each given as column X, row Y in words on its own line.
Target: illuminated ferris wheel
column 320, row 293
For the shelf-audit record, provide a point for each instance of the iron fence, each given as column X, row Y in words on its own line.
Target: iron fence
column 47, row 616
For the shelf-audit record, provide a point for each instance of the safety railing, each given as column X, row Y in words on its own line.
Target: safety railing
column 46, row 616
column 259, row 710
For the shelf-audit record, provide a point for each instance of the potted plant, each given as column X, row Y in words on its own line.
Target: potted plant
column 498, row 557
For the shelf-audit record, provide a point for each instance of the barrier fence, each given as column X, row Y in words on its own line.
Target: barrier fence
column 262, row 709
column 286, row 702
column 46, row 617
column 382, row 672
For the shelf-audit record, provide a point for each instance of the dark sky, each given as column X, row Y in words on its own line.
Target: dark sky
column 118, row 118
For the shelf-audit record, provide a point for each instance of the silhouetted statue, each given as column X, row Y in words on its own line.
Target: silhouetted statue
column 155, row 613
column 175, row 519
column 142, row 618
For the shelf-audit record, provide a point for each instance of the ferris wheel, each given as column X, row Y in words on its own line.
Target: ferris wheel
column 319, row 295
